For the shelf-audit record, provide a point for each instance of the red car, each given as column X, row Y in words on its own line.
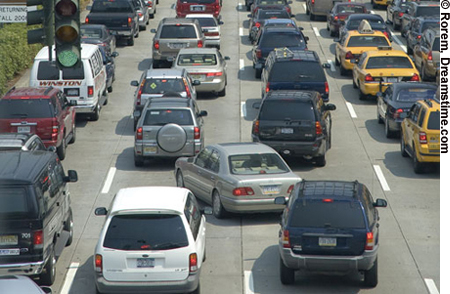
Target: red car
column 340, row 12
column 45, row 112
column 184, row 7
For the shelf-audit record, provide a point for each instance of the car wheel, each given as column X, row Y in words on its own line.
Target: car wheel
column 258, row 73
column 387, row 130
column 328, row 28
column 336, row 61
column 408, row 49
column 96, row 115
column 110, row 89
column 135, row 124
column 130, row 41
column 320, row 160
column 138, row 161
column 68, row 227
column 137, row 33
column 74, row 134
column 223, row 92
column 417, row 165
column 105, row 94
column 287, row 275
column 218, row 209
column 61, row 149
column 403, row 147
column 152, row 15
column 312, row 16
column 362, row 96
column 196, row 291
column 47, row 277
column 180, row 179
column 342, row 70
column 371, row 276
column 379, row 118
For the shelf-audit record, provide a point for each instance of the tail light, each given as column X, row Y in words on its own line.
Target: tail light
column 211, row 34
column 419, row 36
column 415, row 78
column 98, row 263
column 422, row 138
column 286, row 242
column 140, row 14
column 430, row 55
column 368, row 78
column 186, row 87
column 256, row 127
column 288, row 10
column 327, row 88
column 139, row 133
column 139, row 94
column 200, row 44
column 291, row 187
column 90, row 91
column 336, row 18
column 318, row 128
column 370, row 241
column 398, row 112
column 217, row 9
column 55, row 129
column 156, row 44
column 214, row 74
column 400, row 14
column 193, row 262
column 243, row 191
column 86, row 20
column 258, row 25
column 130, row 20
column 267, row 87
column 312, row 2
column 38, row 239
column 327, row 200
column 349, row 55
column 258, row 53
column 196, row 133
column 386, row 34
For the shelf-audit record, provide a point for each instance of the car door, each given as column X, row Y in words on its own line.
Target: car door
column 64, row 107
column 411, row 126
column 193, row 177
column 211, row 173
column 197, row 226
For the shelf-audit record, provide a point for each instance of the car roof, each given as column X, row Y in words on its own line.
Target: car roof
column 392, row 52
column 243, row 148
column 198, row 51
column 155, row 198
column 287, row 54
column 282, row 30
column 165, row 72
column 19, row 284
column 342, row 190
column 414, row 85
column 279, row 20
column 173, row 20
column 30, row 92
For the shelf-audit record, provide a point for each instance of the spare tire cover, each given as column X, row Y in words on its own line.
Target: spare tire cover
column 171, row 138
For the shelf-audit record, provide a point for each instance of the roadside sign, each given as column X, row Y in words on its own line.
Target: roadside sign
column 10, row 14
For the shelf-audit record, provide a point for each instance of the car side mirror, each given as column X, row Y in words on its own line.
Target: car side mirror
column 330, row 107
column 46, row 289
column 153, row 31
column 280, row 200
column 326, row 65
column 206, row 210
column 51, row 149
column 196, row 82
column 101, row 211
column 72, row 177
column 221, row 23
column 380, row 203
column 301, row 28
column 292, row 15
column 203, row 113
column 306, row 38
column 134, row 83
column 115, row 54
column 256, row 105
column 227, row 58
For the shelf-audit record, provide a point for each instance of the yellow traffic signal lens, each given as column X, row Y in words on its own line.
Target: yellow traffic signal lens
column 66, row 34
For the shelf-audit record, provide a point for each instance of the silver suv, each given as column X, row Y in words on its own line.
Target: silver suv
column 173, row 34
column 157, row 83
column 169, row 127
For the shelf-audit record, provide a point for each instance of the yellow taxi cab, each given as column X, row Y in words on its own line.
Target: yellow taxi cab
column 377, row 3
column 420, row 138
column 354, row 43
column 376, row 70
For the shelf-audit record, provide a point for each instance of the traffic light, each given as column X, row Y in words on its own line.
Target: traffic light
column 67, row 33
column 45, row 16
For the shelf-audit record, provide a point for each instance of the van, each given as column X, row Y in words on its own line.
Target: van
column 85, row 84
column 35, row 213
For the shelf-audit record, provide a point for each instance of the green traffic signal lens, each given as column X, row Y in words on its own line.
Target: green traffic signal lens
column 66, row 34
column 67, row 58
column 66, row 8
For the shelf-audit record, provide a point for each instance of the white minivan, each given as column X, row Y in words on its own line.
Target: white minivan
column 85, row 84
column 153, row 241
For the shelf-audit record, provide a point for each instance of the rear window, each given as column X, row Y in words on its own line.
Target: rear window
column 199, row 1
column 178, row 32
column 267, row 14
column 25, row 108
column 271, row 2
column 429, row 25
column 285, row 109
column 146, row 232
column 111, row 6
column 162, row 117
column 350, row 9
column 374, row 23
column 433, row 120
column 428, row 10
column 253, row 164
column 161, row 86
column 297, row 72
column 91, row 33
column 436, row 45
column 412, row 95
column 282, row 40
column 206, row 21
column 319, row 214
column 367, row 41
column 197, row 59
column 388, row 62
column 49, row 71
column 14, row 203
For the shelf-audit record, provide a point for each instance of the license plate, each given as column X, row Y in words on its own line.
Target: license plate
column 150, row 149
column 197, row 8
column 178, row 45
column 287, row 131
column 10, row 251
column 271, row 189
column 327, row 241
column 72, row 92
column 198, row 77
column 392, row 80
column 23, row 129
column 8, row 240
column 435, row 146
column 145, row 262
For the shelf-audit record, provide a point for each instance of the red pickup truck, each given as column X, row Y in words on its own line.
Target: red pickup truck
column 42, row 111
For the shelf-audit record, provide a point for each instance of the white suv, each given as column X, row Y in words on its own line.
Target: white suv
column 153, row 241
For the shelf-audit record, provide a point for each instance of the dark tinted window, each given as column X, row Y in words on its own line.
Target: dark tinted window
column 266, row 14
column 284, row 109
column 161, row 86
column 253, row 164
column 428, row 10
column 112, row 6
column 429, row 25
column 160, row 117
column 433, row 120
column 199, row 1
column 25, row 108
column 319, row 214
column 146, row 232
column 76, row 73
column 280, row 39
column 47, row 71
column 207, row 22
column 14, row 203
column 178, row 32
column 412, row 95
column 297, row 72
column 93, row 33
column 367, row 41
column 436, row 45
column 350, row 9
column 388, row 62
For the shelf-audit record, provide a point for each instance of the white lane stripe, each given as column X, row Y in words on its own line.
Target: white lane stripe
column 241, row 64
column 432, row 289
column 241, row 31
column 304, row 6
column 397, row 40
column 243, row 109
column 316, row 31
column 381, row 178
column 109, row 180
column 331, row 63
column 351, row 110
column 249, row 289
column 70, row 276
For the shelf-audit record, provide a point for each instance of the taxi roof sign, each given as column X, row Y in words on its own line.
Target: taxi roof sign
column 364, row 27
column 384, row 48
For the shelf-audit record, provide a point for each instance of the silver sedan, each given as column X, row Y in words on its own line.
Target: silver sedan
column 237, row 177
column 206, row 65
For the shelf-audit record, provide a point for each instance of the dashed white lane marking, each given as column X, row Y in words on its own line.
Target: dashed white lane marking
column 241, row 64
column 397, row 40
column 432, row 289
column 249, row 289
column 381, row 178
column 243, row 109
column 304, row 6
column 351, row 110
column 316, row 31
column 241, row 32
column 109, row 179
column 331, row 63
column 70, row 276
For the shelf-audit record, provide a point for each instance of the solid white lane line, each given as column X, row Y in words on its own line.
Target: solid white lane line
column 316, row 31
column 249, row 289
column 351, row 110
column 70, row 276
column 397, row 40
column 243, row 109
column 381, row 178
column 331, row 63
column 109, row 180
column 241, row 64
column 241, row 32
column 432, row 289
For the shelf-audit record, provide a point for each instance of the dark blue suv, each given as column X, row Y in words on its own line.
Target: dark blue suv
column 329, row 226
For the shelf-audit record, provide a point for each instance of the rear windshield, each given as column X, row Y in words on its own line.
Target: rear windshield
column 436, row 45
column 319, row 214
column 412, row 95
column 161, row 86
column 282, row 40
column 199, row 1
column 25, row 108
column 388, row 62
column 267, row 14
column 253, row 164
column 374, row 23
column 430, row 25
column 433, row 120
column 162, row 117
column 367, row 41
column 271, row 2
column 14, row 203
column 111, row 6
column 197, row 59
column 206, row 22
column 49, row 71
column 91, row 33
column 285, row 109
column 178, row 32
column 297, row 72
column 146, row 232
column 428, row 10
column 350, row 9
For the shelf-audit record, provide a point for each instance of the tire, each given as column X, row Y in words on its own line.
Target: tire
column 135, row 124
column 47, row 277
column 105, row 94
column 371, row 276
column 137, row 34
column 342, row 70
column 61, row 149
column 110, row 89
column 379, row 118
column 417, row 166
column 138, row 161
column 287, row 275
column 130, row 41
column 223, row 92
column 408, row 49
column 74, row 134
column 328, row 28
column 180, row 179
column 362, row 96
column 387, row 130
column 258, row 73
column 68, row 226
column 307, row 11
column 218, row 209
column 403, row 147
column 152, row 16
column 336, row 61
column 312, row 16
column 96, row 115
column 320, row 161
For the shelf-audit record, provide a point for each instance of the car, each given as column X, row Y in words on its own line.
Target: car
column 318, row 8
column 378, row 69
column 261, row 15
column 354, row 43
column 375, row 20
column 173, row 34
column 395, row 11
column 149, row 243
column 183, row 7
column 262, row 4
column 416, row 29
column 415, row 9
column 275, row 37
column 143, row 13
column 280, row 23
column 206, row 65
column 340, row 12
column 13, row 284
column 43, row 111
column 287, row 69
column 98, row 34
column 156, row 83
column 394, row 104
column 242, row 177
column 426, row 54
column 420, row 137
column 211, row 28
column 36, row 216
column 22, row 141
column 110, row 66
column 294, row 123
column 151, row 4
column 169, row 128
column 330, row 227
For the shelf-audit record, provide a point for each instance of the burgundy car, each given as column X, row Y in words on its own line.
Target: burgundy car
column 184, row 7
column 340, row 12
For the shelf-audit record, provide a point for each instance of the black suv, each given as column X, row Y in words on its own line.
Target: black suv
column 329, row 226
column 35, row 214
column 295, row 123
column 416, row 9
column 416, row 29
column 294, row 70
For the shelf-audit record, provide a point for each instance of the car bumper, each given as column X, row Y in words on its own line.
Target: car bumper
column 425, row 155
column 296, row 148
column 347, row 64
column 152, row 150
column 212, row 86
column 251, row 205
column 164, row 56
column 374, row 88
column 212, row 42
column 89, row 108
column 32, row 268
column 380, row 2
column 121, row 33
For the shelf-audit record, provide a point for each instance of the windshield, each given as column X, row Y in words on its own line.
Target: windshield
column 156, row 117
column 206, row 21
column 287, row 110
column 253, row 164
column 91, row 33
column 388, row 62
column 412, row 95
column 178, row 32
column 374, row 23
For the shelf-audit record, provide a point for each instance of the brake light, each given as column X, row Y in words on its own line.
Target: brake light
column 188, row 92
column 98, row 263
column 415, row 78
column 327, row 88
column 193, row 262
column 430, row 55
column 318, row 128
column 286, row 242
column 129, row 21
column 291, row 187
column 139, row 94
column 256, row 127
column 327, row 200
column 86, row 20
column 209, row 34
column 397, row 113
column 422, row 138
column 90, row 91
column 400, row 14
column 243, row 191
column 196, row 133
column 386, row 34
column 140, row 14
column 267, row 87
column 156, row 44
column 419, row 36
column 312, row 2
column 368, row 78
column 258, row 53
column 55, row 129
column 258, row 25
column 38, row 239
column 370, row 241
column 214, row 74
column 336, row 18
column 139, row 133
column 200, row 44
column 349, row 55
